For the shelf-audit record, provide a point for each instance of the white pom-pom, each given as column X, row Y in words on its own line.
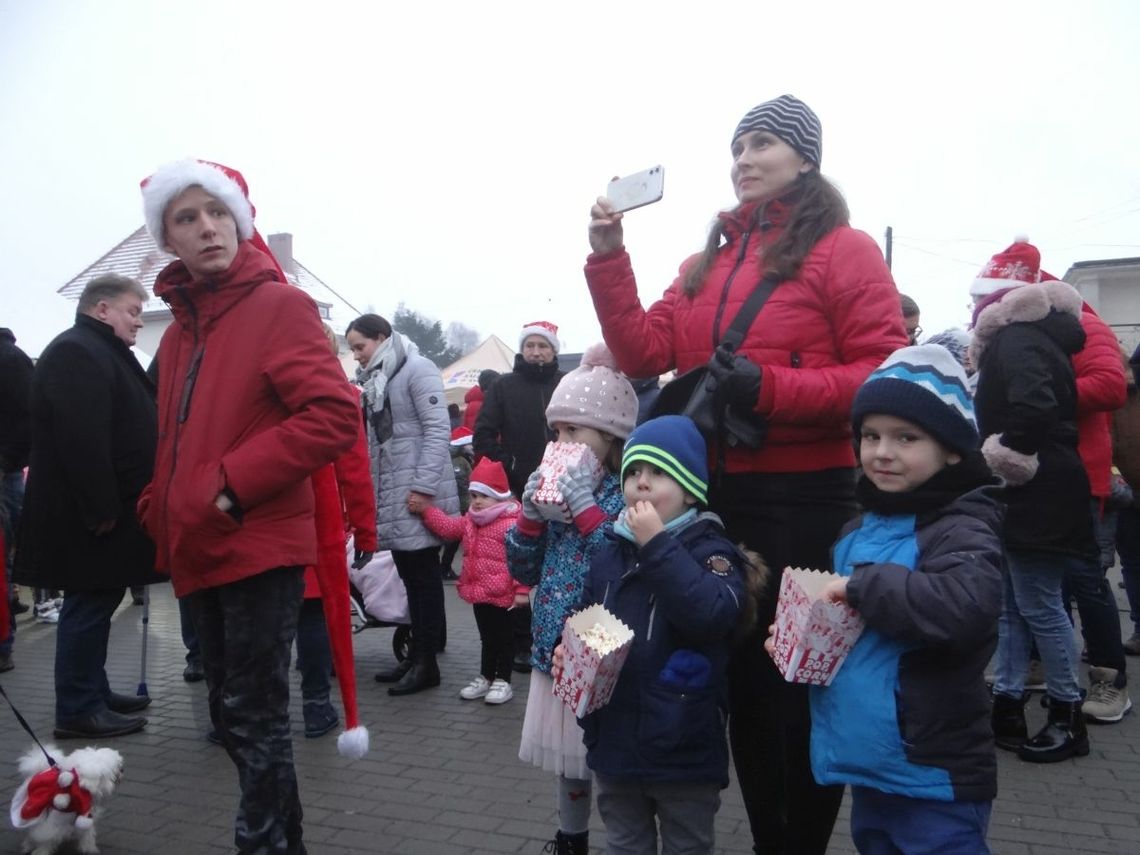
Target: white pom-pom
column 84, row 822
column 599, row 355
column 353, row 743
column 61, row 801
column 1021, row 238
column 65, row 779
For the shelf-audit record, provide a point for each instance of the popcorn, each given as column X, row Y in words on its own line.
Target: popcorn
column 558, row 457
column 595, row 645
column 812, row 637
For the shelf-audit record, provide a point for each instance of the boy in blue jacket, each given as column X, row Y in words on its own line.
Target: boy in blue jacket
column 658, row 748
column 906, row 721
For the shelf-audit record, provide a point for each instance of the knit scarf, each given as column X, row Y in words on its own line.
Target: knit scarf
column 622, row 529
column 489, row 515
column 941, row 489
column 373, row 378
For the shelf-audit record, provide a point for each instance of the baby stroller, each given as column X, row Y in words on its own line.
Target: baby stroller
column 379, row 599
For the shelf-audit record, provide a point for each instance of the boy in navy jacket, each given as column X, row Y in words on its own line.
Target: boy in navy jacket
column 658, row 748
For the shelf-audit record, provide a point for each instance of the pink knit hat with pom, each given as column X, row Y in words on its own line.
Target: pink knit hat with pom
column 595, row 395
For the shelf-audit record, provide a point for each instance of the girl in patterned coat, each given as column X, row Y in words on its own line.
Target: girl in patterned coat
column 485, row 581
column 594, row 405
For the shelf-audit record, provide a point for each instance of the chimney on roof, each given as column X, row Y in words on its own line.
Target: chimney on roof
column 281, row 245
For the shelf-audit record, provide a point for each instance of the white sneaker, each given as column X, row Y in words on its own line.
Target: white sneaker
column 499, row 693
column 47, row 612
column 1105, row 703
column 476, row 689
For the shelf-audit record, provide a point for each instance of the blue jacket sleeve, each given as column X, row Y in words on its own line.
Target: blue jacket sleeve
column 524, row 556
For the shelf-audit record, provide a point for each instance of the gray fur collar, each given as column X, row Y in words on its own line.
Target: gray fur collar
column 1022, row 304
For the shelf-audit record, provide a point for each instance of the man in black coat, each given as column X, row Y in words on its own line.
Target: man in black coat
column 512, row 429
column 94, row 432
column 15, row 440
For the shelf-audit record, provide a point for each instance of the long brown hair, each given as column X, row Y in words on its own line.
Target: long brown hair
column 819, row 207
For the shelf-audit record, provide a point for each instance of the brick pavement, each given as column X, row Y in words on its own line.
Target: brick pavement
column 443, row 774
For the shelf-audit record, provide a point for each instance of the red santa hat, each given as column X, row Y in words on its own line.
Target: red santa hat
column 55, row 789
column 490, row 478
column 225, row 184
column 1018, row 264
column 543, row 328
column 462, row 436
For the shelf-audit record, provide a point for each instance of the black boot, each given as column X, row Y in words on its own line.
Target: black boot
column 1064, row 735
column 1008, row 720
column 395, row 675
column 424, row 674
column 569, row 844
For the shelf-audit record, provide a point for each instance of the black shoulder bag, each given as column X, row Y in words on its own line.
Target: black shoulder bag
column 696, row 393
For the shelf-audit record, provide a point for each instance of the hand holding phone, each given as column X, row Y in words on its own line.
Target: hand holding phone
column 623, row 194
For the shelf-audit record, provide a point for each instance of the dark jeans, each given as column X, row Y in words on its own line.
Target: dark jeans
column 498, row 648
column 245, row 631
column 81, row 687
column 314, row 657
column 11, row 503
column 1128, row 548
column 419, row 570
column 1086, row 583
column 189, row 634
column 887, row 824
column 520, row 630
column 792, row 520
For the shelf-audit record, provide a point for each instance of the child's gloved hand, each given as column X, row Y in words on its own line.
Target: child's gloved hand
column 529, row 509
column 359, row 558
column 577, row 488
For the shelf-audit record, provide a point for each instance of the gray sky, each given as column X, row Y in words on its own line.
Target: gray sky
column 446, row 154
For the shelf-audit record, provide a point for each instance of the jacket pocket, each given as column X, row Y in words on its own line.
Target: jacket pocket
column 680, row 727
column 191, row 504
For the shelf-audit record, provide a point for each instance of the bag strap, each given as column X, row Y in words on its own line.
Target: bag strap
column 734, row 335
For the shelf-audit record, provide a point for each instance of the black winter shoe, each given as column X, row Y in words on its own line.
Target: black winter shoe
column 569, row 844
column 1010, row 731
column 101, row 725
column 424, row 674
column 127, row 703
column 320, row 718
column 1064, row 735
column 395, row 675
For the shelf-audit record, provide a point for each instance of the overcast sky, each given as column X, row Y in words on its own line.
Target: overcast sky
column 446, row 154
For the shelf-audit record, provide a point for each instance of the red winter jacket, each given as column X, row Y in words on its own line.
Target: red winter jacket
column 249, row 399
column 1101, row 389
column 485, row 577
column 345, row 504
column 474, row 402
column 816, row 339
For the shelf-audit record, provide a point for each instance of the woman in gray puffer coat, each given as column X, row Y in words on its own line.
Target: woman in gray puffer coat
column 408, row 433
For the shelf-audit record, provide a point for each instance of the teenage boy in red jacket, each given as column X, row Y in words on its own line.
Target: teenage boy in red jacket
column 251, row 404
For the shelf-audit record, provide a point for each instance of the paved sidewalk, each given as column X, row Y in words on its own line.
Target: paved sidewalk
column 443, row 774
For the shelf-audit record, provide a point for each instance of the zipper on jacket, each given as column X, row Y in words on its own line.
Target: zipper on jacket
column 795, row 360
column 652, row 615
column 727, row 285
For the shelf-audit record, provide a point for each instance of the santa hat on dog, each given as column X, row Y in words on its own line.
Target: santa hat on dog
column 223, row 183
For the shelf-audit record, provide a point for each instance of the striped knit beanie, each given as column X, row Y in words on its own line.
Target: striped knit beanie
column 791, row 120
column 674, row 445
column 923, row 384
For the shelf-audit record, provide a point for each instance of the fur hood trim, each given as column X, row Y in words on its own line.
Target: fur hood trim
column 1026, row 303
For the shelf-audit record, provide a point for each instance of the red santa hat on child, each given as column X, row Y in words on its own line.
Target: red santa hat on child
column 543, row 328
column 1018, row 264
column 225, row 184
column 490, row 478
column 462, row 436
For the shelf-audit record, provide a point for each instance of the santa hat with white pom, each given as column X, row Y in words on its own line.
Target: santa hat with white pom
column 1018, row 264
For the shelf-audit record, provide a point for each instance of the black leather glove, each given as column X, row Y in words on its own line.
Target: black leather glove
column 738, row 380
column 360, row 558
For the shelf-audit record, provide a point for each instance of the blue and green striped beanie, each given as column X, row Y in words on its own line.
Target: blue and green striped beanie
column 674, row 445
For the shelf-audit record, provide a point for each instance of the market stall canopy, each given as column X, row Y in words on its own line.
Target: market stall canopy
column 462, row 374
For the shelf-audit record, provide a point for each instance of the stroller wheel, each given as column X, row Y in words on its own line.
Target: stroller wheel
column 402, row 642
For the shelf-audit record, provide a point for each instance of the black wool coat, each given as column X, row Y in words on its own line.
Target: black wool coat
column 94, row 432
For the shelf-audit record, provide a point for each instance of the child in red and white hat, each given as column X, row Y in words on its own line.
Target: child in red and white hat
column 485, row 581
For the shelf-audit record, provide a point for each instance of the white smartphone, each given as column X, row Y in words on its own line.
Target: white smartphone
column 634, row 191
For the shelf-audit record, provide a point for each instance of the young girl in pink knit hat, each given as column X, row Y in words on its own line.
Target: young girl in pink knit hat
column 485, row 581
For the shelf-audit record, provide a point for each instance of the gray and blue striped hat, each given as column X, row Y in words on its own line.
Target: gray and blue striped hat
column 791, row 120
column 923, row 384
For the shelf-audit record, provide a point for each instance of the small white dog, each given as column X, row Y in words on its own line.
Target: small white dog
column 58, row 806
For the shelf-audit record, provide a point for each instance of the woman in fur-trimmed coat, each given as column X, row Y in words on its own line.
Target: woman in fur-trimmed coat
column 1026, row 404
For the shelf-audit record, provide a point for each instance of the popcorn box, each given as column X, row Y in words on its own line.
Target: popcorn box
column 555, row 461
column 812, row 637
column 595, row 645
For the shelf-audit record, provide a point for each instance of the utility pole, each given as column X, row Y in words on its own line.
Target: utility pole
column 890, row 237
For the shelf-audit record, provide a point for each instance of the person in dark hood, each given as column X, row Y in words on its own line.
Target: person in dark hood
column 1025, row 335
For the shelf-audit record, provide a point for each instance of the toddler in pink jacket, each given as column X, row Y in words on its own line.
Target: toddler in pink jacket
column 485, row 581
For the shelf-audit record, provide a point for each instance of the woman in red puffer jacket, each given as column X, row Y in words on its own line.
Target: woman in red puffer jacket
column 833, row 317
